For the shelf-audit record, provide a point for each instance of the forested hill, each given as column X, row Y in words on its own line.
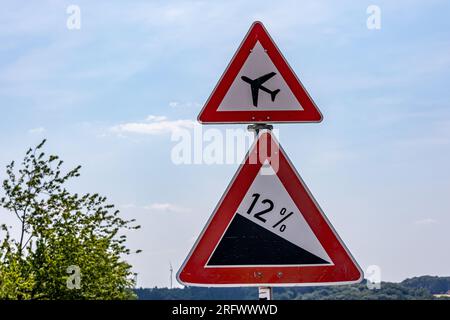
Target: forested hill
column 414, row 288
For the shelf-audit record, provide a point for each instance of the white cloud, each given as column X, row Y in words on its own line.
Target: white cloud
column 156, row 118
column 166, row 207
column 426, row 221
column 154, row 125
column 37, row 130
column 157, row 207
column 178, row 104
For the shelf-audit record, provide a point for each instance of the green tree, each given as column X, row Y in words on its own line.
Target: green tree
column 69, row 246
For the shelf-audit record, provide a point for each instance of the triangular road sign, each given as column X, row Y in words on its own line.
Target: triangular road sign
column 268, row 230
column 258, row 86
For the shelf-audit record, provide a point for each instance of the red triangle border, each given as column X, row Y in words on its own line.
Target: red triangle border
column 257, row 32
column 344, row 270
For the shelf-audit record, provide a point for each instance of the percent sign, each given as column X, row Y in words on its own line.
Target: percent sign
column 283, row 226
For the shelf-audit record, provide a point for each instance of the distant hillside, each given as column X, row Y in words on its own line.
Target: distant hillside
column 434, row 285
column 415, row 288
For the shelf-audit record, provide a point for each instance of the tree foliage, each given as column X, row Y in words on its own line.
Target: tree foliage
column 434, row 284
column 60, row 233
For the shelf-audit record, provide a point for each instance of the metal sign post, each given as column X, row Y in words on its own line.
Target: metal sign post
column 267, row 229
column 265, row 293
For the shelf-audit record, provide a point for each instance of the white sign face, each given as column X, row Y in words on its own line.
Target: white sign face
column 268, row 230
column 268, row 220
column 259, row 86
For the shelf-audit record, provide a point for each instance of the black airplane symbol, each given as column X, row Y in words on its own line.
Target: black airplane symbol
column 256, row 85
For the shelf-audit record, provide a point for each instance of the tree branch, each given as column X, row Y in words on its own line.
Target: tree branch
column 24, row 246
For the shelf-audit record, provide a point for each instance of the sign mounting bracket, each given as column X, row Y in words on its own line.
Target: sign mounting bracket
column 256, row 127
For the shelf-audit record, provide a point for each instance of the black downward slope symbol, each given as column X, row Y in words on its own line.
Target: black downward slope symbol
column 247, row 243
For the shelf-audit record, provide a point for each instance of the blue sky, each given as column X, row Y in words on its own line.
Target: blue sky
column 377, row 164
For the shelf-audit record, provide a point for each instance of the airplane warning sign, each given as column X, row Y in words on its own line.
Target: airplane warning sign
column 268, row 230
column 259, row 87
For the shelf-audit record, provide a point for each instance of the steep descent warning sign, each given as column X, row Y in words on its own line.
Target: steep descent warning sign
column 268, row 230
column 259, row 86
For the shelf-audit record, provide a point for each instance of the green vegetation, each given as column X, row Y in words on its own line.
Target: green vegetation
column 69, row 246
column 435, row 285
column 421, row 288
